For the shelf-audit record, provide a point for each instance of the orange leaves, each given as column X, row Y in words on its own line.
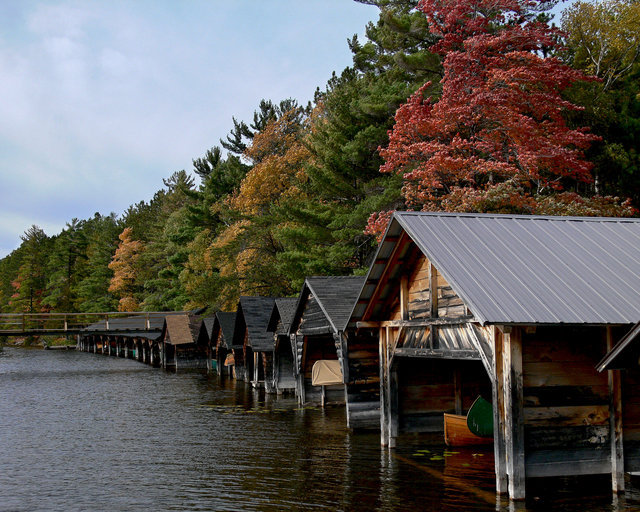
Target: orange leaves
column 125, row 269
column 280, row 164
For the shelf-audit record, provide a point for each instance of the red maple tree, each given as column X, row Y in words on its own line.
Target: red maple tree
column 497, row 139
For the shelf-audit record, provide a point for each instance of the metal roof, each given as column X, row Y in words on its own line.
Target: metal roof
column 256, row 312
column 336, row 296
column 527, row 269
column 132, row 327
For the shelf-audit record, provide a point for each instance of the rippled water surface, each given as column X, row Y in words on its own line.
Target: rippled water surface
column 90, row 432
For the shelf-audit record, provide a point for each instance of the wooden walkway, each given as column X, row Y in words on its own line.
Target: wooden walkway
column 39, row 324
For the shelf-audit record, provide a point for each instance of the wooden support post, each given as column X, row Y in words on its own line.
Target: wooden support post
column 323, row 396
column 457, row 389
column 382, row 351
column 256, row 369
column 497, row 389
column 433, row 299
column 513, row 399
column 404, row 297
column 394, row 409
column 615, row 422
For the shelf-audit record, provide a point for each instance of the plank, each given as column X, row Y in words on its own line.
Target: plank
column 566, row 415
column 570, row 462
column 514, row 425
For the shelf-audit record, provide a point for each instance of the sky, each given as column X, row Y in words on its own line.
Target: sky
column 100, row 100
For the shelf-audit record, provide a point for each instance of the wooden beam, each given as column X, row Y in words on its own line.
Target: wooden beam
column 393, row 257
column 423, row 322
column 615, row 422
column 438, row 353
column 457, row 389
column 404, row 297
column 497, row 390
column 433, row 299
column 384, row 400
column 514, row 424
column 433, row 290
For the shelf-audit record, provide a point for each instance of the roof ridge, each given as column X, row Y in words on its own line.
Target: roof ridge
column 518, row 216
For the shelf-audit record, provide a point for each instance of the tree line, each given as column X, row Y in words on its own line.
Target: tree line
column 450, row 105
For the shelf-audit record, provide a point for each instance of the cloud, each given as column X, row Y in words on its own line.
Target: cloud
column 101, row 100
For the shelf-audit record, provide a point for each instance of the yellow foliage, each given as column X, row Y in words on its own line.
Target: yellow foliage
column 123, row 263
column 128, row 304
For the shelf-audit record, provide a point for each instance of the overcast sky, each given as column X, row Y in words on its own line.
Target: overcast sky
column 101, row 100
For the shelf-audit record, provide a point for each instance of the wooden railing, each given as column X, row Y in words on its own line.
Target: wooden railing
column 61, row 323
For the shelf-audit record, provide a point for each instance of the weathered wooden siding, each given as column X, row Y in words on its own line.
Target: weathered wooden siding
column 631, row 417
column 363, row 388
column 428, row 388
column 419, row 302
column 313, row 318
column 566, row 401
column 315, row 348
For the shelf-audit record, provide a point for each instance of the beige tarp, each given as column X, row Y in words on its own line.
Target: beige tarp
column 326, row 372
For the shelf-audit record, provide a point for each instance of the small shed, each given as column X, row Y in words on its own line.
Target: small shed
column 279, row 324
column 135, row 337
column 520, row 310
column 317, row 331
column 212, row 363
column 222, row 339
column 185, row 342
column 252, row 320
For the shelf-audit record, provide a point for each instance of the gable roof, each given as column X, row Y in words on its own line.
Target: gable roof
column 135, row 326
column 179, row 330
column 335, row 295
column 208, row 325
column 283, row 310
column 526, row 269
column 226, row 323
column 255, row 312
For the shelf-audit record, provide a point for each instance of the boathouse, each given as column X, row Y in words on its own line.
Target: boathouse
column 520, row 310
column 222, row 338
column 129, row 337
column 252, row 320
column 184, row 342
column 316, row 331
column 207, row 325
column 279, row 324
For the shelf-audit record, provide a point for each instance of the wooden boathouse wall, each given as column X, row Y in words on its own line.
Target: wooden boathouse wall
column 185, row 343
column 222, row 334
column 252, row 322
column 314, row 341
column 283, row 378
column 428, row 369
column 534, row 305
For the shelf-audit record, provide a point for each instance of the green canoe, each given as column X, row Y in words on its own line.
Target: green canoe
column 480, row 418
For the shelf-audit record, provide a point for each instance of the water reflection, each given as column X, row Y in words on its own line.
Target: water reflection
column 88, row 432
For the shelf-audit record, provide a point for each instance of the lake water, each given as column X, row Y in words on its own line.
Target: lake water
column 87, row 432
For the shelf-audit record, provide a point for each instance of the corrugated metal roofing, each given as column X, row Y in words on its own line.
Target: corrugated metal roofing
column 336, row 296
column 256, row 312
column 528, row 269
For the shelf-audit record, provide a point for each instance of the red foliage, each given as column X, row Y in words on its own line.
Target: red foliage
column 500, row 116
column 377, row 224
